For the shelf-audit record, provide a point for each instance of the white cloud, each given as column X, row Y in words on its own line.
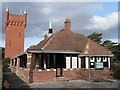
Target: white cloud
column 60, row 0
column 47, row 10
column 103, row 23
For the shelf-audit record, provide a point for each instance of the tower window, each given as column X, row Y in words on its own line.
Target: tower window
column 19, row 34
column 10, row 43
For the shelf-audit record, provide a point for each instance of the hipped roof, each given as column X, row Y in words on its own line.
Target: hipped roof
column 67, row 40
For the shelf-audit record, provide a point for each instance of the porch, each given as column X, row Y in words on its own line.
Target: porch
column 37, row 67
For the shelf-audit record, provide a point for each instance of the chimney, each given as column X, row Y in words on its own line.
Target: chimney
column 67, row 25
column 25, row 17
column 45, row 36
column 7, row 16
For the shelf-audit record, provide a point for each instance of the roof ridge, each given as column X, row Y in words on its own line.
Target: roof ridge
column 86, row 50
column 48, row 41
column 100, row 45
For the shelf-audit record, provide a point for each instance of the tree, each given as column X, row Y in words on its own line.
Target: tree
column 96, row 37
column 116, row 52
column 111, row 46
column 108, row 44
column 114, row 48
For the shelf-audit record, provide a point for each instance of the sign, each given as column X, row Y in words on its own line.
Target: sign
column 99, row 65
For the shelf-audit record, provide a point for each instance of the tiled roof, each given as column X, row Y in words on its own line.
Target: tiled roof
column 67, row 40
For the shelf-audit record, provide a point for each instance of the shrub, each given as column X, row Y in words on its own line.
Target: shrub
column 116, row 74
column 115, row 70
column 6, row 62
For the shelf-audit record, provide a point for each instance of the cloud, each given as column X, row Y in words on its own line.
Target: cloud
column 81, row 14
column 103, row 23
column 47, row 10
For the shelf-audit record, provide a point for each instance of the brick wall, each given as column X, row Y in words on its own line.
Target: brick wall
column 75, row 74
column 82, row 74
column 40, row 76
column 21, row 72
column 44, row 75
column 15, row 28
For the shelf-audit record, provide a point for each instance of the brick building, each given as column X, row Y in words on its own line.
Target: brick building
column 62, row 54
column 14, row 28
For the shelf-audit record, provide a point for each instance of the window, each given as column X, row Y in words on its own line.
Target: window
column 104, row 59
column 10, row 43
column 91, row 64
column 74, row 62
column 19, row 51
column 106, row 63
column 19, row 34
column 16, row 62
column 68, row 62
column 41, row 62
column 92, row 59
column 82, row 62
column 12, row 62
column 98, row 59
column 23, row 61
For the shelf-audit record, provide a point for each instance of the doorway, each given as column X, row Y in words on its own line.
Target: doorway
column 60, row 64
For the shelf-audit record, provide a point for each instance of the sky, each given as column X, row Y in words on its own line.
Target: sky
column 86, row 18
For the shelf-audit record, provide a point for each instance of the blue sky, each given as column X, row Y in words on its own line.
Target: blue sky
column 87, row 17
column 108, row 8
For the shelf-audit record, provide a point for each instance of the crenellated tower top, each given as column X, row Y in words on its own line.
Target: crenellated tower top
column 15, row 20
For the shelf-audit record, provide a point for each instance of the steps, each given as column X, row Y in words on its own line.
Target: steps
column 61, row 79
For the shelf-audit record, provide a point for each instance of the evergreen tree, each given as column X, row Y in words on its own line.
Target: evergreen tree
column 96, row 37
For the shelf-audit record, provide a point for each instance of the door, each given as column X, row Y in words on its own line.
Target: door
column 59, row 72
column 59, row 65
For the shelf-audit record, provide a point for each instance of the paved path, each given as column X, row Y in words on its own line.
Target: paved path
column 16, row 82
column 76, row 84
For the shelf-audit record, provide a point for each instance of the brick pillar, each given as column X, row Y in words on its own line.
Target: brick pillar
column 48, row 61
column 18, row 62
column 18, row 65
column 44, row 61
column 109, row 62
column 87, row 62
column 79, row 62
column 29, row 58
column 10, row 63
column 54, row 61
column 30, row 66
column 40, row 61
column 14, row 62
column 37, row 62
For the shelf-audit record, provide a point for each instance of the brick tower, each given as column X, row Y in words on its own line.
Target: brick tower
column 15, row 28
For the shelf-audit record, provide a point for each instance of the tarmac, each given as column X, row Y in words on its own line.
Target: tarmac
column 16, row 82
